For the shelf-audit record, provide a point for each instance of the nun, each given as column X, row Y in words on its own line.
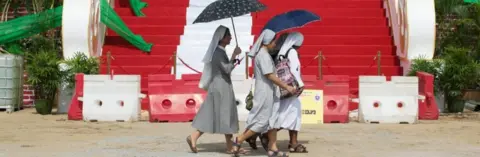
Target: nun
column 290, row 112
column 266, row 97
column 218, row 114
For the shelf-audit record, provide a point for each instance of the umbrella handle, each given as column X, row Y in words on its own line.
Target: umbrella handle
column 234, row 31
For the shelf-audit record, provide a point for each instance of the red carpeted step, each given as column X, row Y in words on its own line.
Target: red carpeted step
column 347, row 49
column 309, row 40
column 154, row 20
column 345, row 40
column 162, row 50
column 348, row 60
column 154, row 11
column 137, row 70
column 155, row 3
column 142, row 60
column 338, row 12
column 153, row 30
column 155, row 39
column 337, row 21
column 337, row 30
column 352, row 70
column 324, row 3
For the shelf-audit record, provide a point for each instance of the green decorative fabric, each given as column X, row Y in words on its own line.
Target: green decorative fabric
column 29, row 25
column 471, row 1
column 137, row 6
column 111, row 19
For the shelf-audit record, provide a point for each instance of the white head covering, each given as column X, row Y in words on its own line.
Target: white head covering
column 217, row 36
column 265, row 38
column 207, row 59
column 293, row 39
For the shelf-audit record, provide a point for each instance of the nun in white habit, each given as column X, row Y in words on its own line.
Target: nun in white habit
column 266, row 97
column 218, row 114
column 290, row 112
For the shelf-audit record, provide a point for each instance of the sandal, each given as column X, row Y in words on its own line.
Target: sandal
column 277, row 153
column 236, row 153
column 189, row 141
column 298, row 148
column 252, row 141
column 264, row 141
column 241, row 151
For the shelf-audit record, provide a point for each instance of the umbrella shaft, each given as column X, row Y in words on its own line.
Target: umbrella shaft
column 234, row 31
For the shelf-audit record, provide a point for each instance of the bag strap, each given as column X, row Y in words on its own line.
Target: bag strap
column 280, row 57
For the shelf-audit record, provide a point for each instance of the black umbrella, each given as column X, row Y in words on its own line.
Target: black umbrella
column 222, row 9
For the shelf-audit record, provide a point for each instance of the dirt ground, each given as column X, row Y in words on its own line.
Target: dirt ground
column 25, row 133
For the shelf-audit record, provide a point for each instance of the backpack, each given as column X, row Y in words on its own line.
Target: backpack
column 282, row 65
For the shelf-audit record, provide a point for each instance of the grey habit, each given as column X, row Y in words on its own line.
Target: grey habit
column 266, row 100
column 218, row 114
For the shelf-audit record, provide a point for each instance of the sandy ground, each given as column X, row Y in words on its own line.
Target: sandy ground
column 25, row 133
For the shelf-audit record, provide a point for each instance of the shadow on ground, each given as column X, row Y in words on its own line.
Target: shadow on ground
column 220, row 147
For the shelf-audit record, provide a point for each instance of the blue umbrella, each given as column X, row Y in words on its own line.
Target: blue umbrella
column 291, row 19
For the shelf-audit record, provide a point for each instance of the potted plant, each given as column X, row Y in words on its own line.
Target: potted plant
column 44, row 76
column 458, row 73
column 80, row 63
column 432, row 67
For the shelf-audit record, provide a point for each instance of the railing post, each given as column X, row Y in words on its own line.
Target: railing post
column 379, row 62
column 246, row 67
column 175, row 63
column 109, row 62
column 320, row 59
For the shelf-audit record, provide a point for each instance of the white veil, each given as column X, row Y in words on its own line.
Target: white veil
column 293, row 39
column 207, row 59
column 265, row 38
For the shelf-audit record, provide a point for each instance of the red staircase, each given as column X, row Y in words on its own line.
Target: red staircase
column 350, row 34
column 162, row 26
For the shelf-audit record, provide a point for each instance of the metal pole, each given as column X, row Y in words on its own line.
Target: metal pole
column 246, row 67
column 109, row 62
column 379, row 61
column 320, row 59
column 175, row 63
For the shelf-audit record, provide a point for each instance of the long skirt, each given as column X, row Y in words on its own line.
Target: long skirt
column 218, row 114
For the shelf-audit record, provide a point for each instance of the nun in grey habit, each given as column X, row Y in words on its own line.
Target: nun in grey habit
column 218, row 114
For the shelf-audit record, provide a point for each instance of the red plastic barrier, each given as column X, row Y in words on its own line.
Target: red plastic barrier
column 427, row 109
column 173, row 102
column 191, row 79
column 336, row 92
column 312, row 82
column 76, row 106
column 153, row 81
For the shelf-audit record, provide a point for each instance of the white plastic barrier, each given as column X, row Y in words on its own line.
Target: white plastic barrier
column 383, row 101
column 196, row 39
column 241, row 87
column 111, row 98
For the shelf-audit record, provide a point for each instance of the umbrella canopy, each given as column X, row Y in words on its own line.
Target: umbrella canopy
column 290, row 20
column 222, row 9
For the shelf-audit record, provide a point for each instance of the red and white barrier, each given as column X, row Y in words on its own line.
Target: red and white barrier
column 383, row 101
